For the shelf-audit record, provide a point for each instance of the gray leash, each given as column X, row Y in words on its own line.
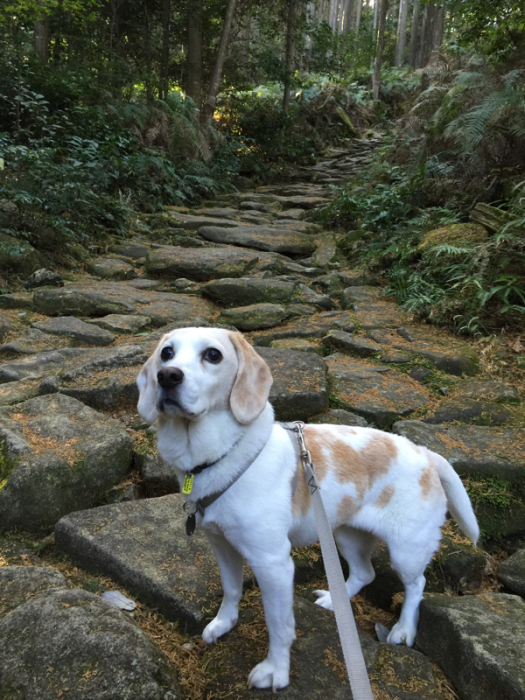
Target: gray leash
column 352, row 652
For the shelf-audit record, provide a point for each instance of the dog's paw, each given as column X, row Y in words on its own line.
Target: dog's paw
column 324, row 599
column 268, row 675
column 216, row 629
column 400, row 634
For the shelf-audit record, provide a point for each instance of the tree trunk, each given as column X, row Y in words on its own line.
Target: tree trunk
column 421, row 56
column 401, row 31
column 290, row 53
column 149, row 57
column 379, row 54
column 358, row 14
column 165, row 55
column 194, row 55
column 41, row 33
column 211, row 100
column 414, row 34
column 333, row 14
column 347, row 15
column 439, row 27
column 374, row 29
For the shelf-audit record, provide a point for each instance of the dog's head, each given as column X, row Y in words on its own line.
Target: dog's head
column 197, row 370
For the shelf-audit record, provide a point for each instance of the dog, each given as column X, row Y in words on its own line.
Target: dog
column 208, row 389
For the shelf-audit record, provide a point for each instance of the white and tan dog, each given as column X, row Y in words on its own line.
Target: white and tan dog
column 208, row 390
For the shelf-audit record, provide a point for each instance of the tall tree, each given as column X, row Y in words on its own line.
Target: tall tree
column 165, row 55
column 376, row 82
column 412, row 54
column 194, row 51
column 211, row 99
column 401, row 32
column 290, row 52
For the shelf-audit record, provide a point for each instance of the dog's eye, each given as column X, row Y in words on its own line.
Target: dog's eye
column 166, row 354
column 213, row 355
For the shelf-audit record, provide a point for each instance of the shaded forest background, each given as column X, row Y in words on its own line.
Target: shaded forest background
column 111, row 109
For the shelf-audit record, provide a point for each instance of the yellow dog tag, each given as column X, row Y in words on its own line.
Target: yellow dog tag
column 188, row 484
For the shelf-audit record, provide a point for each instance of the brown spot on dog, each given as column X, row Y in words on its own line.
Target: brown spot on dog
column 384, row 497
column 362, row 468
column 429, row 481
column 301, row 500
column 347, row 510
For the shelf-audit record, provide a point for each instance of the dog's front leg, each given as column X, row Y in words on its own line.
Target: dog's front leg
column 275, row 579
column 231, row 565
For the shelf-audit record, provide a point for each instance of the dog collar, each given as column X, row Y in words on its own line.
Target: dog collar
column 206, row 465
column 194, row 507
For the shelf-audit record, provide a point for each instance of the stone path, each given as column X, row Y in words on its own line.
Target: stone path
column 340, row 352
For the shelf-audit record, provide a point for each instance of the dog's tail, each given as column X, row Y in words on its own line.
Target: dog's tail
column 458, row 501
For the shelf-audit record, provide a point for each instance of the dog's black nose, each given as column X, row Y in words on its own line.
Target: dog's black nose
column 168, row 377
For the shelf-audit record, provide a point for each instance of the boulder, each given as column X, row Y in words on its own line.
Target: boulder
column 253, row 317
column 511, row 572
column 373, row 391
column 199, row 264
column 111, row 269
column 143, row 546
column 246, row 290
column 18, row 255
column 478, row 641
column 275, row 239
column 103, row 298
column 73, row 645
column 75, row 328
column 57, row 456
column 43, row 278
column 299, row 388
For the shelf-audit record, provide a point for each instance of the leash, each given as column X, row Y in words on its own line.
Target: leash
column 352, row 652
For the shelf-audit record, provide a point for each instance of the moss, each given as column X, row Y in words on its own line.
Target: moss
column 7, row 465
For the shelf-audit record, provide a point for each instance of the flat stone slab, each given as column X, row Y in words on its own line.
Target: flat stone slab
column 111, row 269
column 253, row 317
column 353, row 344
column 274, row 239
column 130, row 250
column 20, row 300
column 75, row 328
column 478, row 641
column 122, row 324
column 299, row 389
column 379, row 315
column 248, row 290
column 317, row 667
column 193, row 223
column 366, row 389
column 110, row 657
column 143, row 546
column 315, row 326
column 39, row 364
column 90, row 299
column 201, row 264
column 447, row 353
column 472, row 449
column 34, row 341
column 470, row 411
column 59, row 455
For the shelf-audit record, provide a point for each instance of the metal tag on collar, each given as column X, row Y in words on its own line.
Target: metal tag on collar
column 191, row 508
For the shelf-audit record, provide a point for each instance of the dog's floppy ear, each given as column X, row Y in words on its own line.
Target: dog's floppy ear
column 147, row 384
column 252, row 384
